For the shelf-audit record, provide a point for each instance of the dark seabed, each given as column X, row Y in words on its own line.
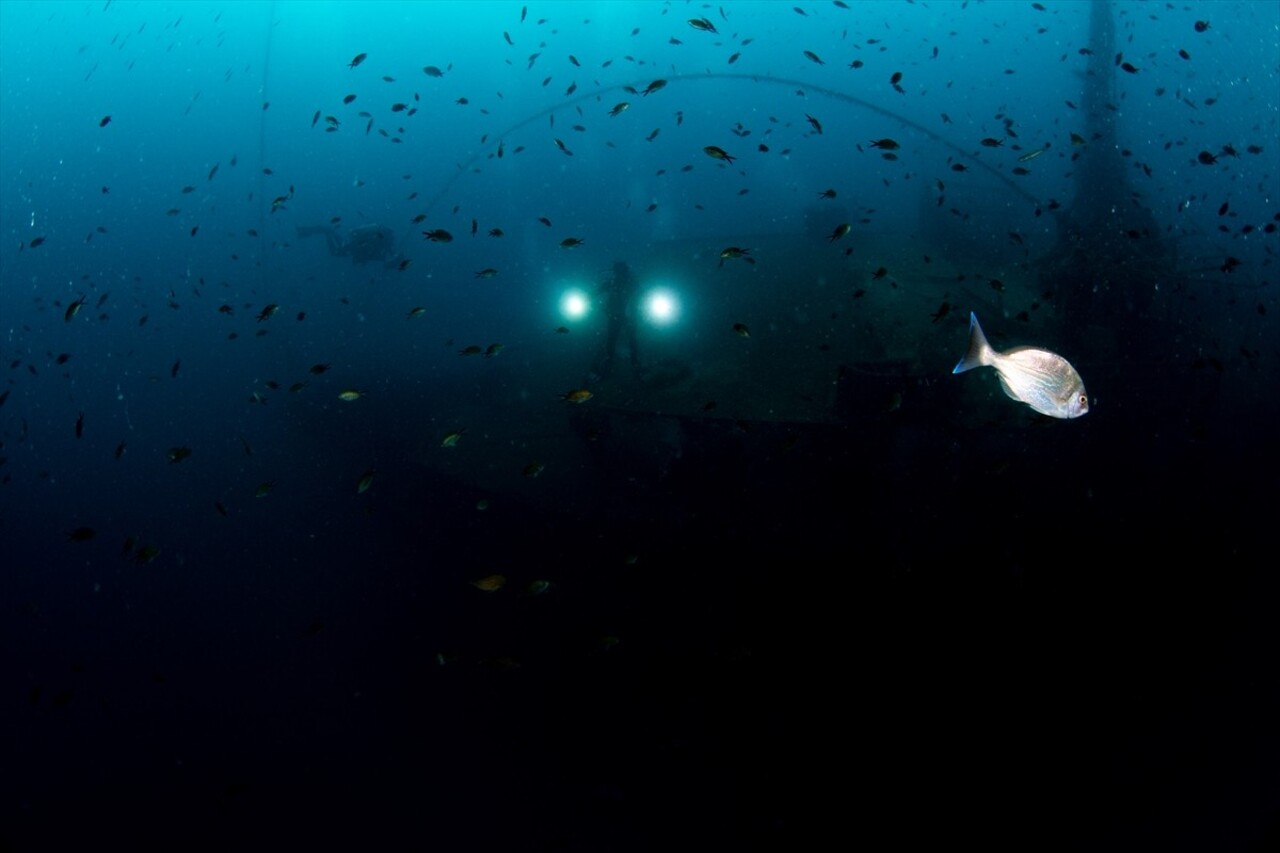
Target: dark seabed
column 327, row 524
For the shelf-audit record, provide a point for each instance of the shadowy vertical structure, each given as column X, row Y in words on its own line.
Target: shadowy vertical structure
column 1110, row 257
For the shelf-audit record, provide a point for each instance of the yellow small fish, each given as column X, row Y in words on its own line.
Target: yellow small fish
column 577, row 395
column 717, row 153
column 350, row 395
column 366, row 480
column 492, row 583
column 451, row 439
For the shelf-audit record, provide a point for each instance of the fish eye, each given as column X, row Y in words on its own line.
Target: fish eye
column 1084, row 401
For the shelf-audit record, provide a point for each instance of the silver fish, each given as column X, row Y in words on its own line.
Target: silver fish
column 1043, row 380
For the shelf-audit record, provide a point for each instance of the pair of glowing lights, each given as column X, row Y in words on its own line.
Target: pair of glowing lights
column 659, row 305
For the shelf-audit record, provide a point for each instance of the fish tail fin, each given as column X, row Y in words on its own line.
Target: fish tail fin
column 979, row 349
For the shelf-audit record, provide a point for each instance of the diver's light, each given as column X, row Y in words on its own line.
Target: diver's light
column 661, row 306
column 574, row 304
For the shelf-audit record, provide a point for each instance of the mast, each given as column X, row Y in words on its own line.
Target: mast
column 1110, row 257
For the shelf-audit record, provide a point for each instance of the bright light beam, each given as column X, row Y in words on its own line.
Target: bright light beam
column 661, row 306
column 574, row 304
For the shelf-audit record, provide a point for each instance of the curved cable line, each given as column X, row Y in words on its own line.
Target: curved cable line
column 463, row 168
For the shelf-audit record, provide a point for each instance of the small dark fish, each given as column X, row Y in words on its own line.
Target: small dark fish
column 106, row 120
column 1207, row 158
column 173, row 371
column 177, row 454
column 718, row 154
column 119, row 450
column 840, row 230
column 432, row 71
column 896, row 78
column 943, row 310
column 359, row 57
column 570, row 243
column 1202, row 26
column 703, row 24
column 885, row 144
column 437, row 235
column 80, row 425
column 36, row 242
column 653, row 87
column 348, row 99
column 813, row 57
column 63, row 358
column 814, row 123
column 81, row 534
column 73, row 309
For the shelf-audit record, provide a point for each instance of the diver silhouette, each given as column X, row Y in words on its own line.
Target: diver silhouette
column 617, row 293
column 363, row 245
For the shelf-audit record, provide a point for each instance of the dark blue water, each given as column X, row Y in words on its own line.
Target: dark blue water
column 793, row 579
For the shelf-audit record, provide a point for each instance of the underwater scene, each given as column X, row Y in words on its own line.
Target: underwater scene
column 628, row 426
